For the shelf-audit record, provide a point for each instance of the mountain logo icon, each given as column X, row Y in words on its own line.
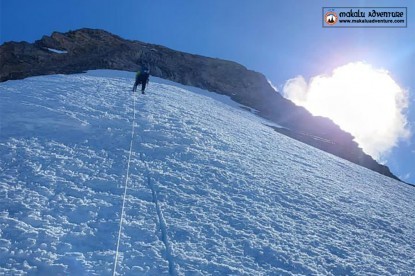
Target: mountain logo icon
column 331, row 18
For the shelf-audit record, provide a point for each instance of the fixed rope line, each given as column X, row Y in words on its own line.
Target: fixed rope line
column 125, row 190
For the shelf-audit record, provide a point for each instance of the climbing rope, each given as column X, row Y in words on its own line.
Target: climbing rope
column 125, row 190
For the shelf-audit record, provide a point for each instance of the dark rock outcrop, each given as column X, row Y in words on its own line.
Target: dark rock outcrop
column 89, row 49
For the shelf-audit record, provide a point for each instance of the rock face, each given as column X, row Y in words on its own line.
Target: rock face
column 88, row 49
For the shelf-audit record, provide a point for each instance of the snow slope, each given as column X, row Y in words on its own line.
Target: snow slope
column 211, row 189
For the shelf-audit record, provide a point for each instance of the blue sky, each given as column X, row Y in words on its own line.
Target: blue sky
column 281, row 39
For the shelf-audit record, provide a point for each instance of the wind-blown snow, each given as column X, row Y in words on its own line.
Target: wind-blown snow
column 212, row 190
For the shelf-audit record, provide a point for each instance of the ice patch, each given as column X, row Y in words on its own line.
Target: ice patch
column 57, row 51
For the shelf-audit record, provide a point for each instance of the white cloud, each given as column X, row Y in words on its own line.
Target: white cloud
column 362, row 100
column 406, row 176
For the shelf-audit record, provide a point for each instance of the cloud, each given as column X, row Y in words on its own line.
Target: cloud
column 362, row 100
column 406, row 176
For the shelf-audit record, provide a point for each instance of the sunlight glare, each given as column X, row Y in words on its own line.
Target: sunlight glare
column 362, row 100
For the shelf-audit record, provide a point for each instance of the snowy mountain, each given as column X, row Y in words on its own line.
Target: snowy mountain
column 87, row 49
column 206, row 188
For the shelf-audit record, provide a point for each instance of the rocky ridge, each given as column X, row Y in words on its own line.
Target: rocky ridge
column 88, row 49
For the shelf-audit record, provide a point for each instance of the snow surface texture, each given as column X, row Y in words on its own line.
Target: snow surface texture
column 211, row 190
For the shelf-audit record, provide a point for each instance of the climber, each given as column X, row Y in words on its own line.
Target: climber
column 142, row 78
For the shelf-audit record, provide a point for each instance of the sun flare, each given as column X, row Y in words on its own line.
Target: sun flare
column 362, row 100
